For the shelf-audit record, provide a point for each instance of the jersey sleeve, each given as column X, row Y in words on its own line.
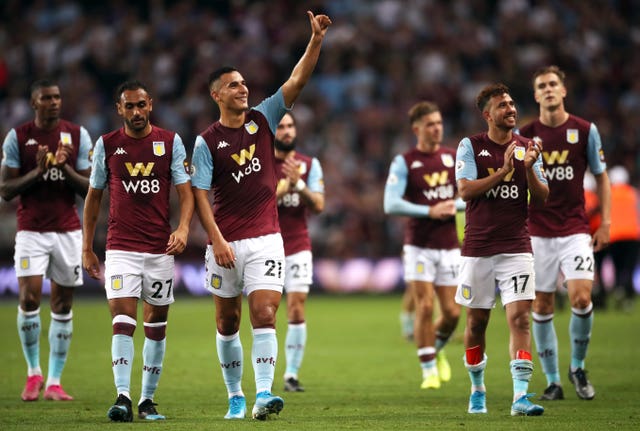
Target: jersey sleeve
column 273, row 109
column 394, row 203
column 466, row 168
column 178, row 159
column 10, row 152
column 201, row 165
column 98, row 178
column 84, row 161
column 315, row 180
column 595, row 155
column 537, row 168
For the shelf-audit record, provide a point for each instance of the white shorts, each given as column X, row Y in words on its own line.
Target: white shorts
column 54, row 255
column 259, row 265
column 571, row 256
column 298, row 274
column 440, row 267
column 146, row 276
column 512, row 274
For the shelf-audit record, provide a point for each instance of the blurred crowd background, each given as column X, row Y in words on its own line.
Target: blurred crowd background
column 378, row 59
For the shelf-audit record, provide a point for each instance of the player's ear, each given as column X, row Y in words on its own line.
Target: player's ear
column 150, row 104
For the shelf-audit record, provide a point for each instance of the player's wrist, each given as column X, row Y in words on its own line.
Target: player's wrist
column 299, row 185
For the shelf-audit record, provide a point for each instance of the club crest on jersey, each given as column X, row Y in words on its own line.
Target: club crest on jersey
column 65, row 138
column 518, row 153
column 216, row 281
column 116, row 282
column 447, row 160
column 251, row 127
column 158, row 148
column 302, row 168
column 572, row 136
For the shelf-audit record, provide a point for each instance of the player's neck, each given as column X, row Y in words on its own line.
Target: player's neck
column 232, row 120
column 46, row 124
column 138, row 134
column 554, row 117
column 500, row 136
column 428, row 147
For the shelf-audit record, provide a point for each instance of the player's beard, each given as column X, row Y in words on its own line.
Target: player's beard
column 141, row 125
column 283, row 146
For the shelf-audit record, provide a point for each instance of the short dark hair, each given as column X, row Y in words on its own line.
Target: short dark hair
column 41, row 83
column 421, row 109
column 216, row 74
column 548, row 69
column 488, row 92
column 128, row 86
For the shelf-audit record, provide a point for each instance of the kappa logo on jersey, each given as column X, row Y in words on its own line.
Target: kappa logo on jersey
column 484, row 153
column 222, row 144
column 416, row 164
column 158, row 148
column 447, row 160
column 572, row 136
column 31, row 142
column 119, row 150
column 116, row 282
column 251, row 127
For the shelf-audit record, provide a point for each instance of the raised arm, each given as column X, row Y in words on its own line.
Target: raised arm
column 302, row 71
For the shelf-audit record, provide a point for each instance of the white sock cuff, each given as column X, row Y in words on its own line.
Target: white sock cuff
column 583, row 311
column 29, row 313
column 155, row 324
column 541, row 318
column 298, row 325
column 260, row 331
column 62, row 317
column 477, row 367
column 426, row 351
column 123, row 318
column 231, row 337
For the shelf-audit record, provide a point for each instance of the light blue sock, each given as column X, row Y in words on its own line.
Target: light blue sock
column 152, row 356
column 122, row 361
column 580, row 326
column 476, row 374
column 295, row 343
column 29, row 333
column 264, row 355
column 521, row 372
column 544, row 334
column 230, row 354
column 60, row 332
column 441, row 340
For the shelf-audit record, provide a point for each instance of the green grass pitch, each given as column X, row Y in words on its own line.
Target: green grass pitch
column 359, row 374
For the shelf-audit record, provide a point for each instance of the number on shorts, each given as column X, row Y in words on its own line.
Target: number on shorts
column 525, row 280
column 273, row 267
column 299, row 272
column 584, row 264
column 157, row 285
